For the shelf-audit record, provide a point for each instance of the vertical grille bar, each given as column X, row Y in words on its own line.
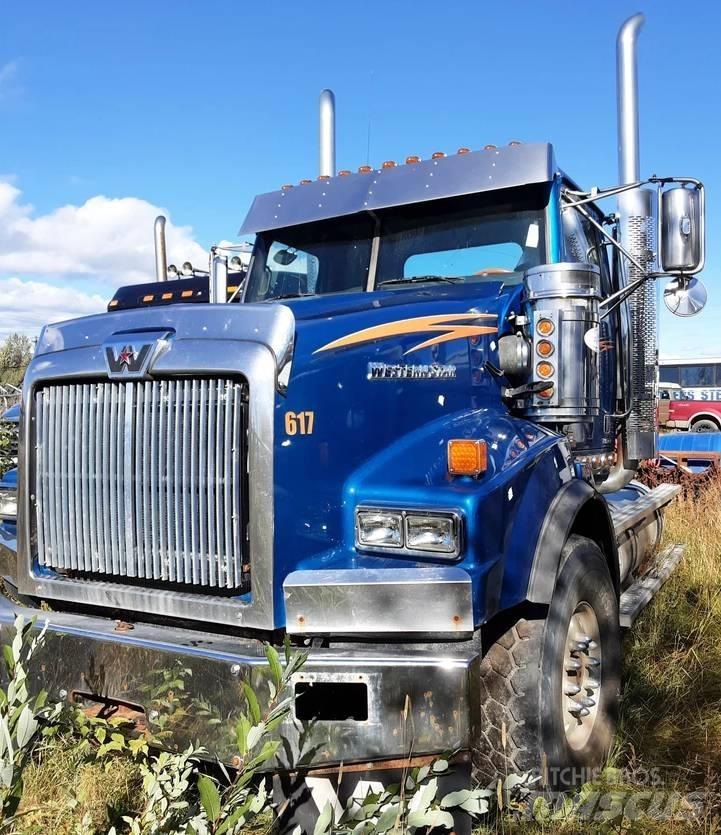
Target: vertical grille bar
column 143, row 480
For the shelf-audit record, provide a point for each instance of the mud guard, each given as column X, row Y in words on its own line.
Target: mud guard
column 576, row 502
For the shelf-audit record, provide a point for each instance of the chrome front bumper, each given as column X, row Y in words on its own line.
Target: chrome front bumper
column 189, row 686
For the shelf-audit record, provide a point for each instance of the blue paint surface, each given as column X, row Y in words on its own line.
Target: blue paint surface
column 384, row 442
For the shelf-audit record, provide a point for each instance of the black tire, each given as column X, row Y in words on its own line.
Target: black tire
column 705, row 425
column 523, row 679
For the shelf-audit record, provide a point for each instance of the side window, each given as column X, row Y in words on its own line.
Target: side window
column 669, row 374
column 697, row 375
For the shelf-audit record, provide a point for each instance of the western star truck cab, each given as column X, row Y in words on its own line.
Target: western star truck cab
column 408, row 442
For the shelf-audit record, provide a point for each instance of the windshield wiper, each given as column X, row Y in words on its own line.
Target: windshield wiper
column 418, row 279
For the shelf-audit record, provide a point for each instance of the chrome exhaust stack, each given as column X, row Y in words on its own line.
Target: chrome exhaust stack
column 161, row 255
column 629, row 165
column 637, row 228
column 326, row 125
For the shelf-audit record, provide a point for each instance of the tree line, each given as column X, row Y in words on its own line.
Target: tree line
column 16, row 351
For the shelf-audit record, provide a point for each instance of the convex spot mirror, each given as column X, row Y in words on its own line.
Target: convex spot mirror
column 685, row 296
column 682, row 230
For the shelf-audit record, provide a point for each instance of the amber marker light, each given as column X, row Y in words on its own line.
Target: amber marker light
column 490, row 147
column 166, row 296
column 305, row 182
column 113, row 303
column 467, row 457
column 462, row 151
column 546, row 393
column 389, row 163
column 343, row 172
column 364, row 169
column 148, row 298
column 413, row 158
column 287, row 187
column 545, row 370
column 544, row 348
column 186, row 294
column 437, row 155
column 545, row 327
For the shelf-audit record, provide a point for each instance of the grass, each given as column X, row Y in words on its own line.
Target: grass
column 670, row 726
column 65, row 790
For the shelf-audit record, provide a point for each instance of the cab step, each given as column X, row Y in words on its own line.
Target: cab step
column 640, row 593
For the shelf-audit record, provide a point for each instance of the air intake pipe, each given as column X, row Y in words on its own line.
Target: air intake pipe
column 161, row 256
column 326, row 127
column 637, row 231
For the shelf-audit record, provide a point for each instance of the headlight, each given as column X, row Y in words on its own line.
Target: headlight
column 429, row 532
column 408, row 531
column 8, row 504
column 378, row 528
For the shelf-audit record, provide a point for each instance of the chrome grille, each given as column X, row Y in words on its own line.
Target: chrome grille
column 143, row 480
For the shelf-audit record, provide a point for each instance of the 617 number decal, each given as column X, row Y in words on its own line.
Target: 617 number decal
column 299, row 423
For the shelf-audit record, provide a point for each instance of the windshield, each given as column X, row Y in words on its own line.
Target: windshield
column 463, row 240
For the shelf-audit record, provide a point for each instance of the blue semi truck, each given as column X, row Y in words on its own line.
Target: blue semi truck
column 407, row 442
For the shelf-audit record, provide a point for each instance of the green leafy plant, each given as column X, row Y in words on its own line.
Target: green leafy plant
column 7, row 434
column 22, row 717
column 216, row 808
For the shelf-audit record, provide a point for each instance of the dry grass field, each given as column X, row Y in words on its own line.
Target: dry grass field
column 668, row 747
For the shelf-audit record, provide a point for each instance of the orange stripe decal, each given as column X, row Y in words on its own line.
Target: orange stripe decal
column 449, row 327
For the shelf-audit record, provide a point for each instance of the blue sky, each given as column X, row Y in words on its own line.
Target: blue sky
column 197, row 107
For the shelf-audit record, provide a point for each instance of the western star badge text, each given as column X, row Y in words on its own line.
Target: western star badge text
column 401, row 371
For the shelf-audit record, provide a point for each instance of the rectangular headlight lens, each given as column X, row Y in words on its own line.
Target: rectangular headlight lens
column 8, row 505
column 380, row 528
column 428, row 532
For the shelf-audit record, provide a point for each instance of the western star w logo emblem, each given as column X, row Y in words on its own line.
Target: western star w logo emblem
column 128, row 359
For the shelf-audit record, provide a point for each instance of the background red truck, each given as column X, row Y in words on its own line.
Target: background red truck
column 689, row 394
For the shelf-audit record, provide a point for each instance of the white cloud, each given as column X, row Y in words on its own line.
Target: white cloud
column 107, row 239
column 25, row 306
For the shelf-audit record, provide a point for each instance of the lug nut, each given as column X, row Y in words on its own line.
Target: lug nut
column 572, row 690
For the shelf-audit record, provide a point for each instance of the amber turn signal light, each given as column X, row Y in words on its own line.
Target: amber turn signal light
column 467, row 457
column 545, row 327
column 545, row 370
column 544, row 348
column 546, row 393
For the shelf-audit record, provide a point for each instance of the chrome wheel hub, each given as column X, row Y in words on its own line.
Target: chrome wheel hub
column 581, row 676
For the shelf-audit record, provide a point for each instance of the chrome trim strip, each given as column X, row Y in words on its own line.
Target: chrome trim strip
column 364, row 601
column 243, row 351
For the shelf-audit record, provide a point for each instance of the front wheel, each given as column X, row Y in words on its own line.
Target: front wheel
column 550, row 687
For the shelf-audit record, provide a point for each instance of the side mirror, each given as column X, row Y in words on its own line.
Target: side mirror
column 685, row 296
column 682, row 230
